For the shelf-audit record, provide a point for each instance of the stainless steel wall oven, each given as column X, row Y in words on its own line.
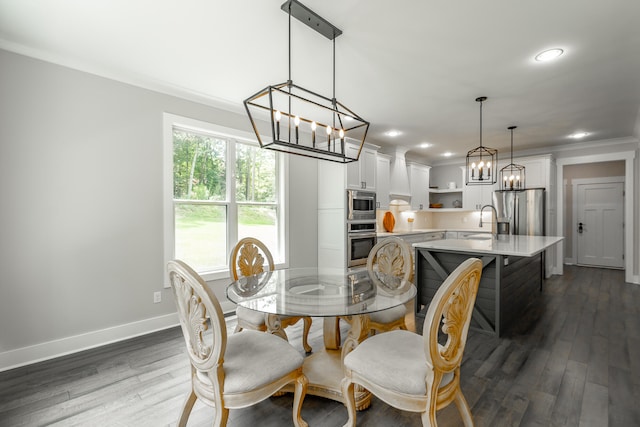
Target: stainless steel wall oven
column 361, row 226
column 358, row 247
column 361, row 205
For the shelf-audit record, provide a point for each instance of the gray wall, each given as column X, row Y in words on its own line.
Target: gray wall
column 81, row 218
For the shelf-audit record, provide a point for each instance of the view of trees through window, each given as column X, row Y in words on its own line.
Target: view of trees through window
column 211, row 210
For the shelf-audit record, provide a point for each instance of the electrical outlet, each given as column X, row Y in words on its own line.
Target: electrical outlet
column 157, row 297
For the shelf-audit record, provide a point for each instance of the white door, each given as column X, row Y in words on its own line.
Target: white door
column 600, row 225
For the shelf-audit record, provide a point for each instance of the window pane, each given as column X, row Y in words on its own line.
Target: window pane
column 255, row 174
column 199, row 169
column 201, row 236
column 259, row 222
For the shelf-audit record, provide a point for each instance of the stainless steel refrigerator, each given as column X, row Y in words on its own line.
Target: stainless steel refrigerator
column 524, row 209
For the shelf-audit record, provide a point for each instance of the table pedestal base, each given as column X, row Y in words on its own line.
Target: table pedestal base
column 324, row 368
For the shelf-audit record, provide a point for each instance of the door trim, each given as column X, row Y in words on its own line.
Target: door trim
column 574, row 220
column 628, row 157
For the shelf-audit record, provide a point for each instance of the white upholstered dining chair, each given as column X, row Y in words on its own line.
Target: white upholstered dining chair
column 235, row 371
column 391, row 260
column 415, row 373
column 248, row 258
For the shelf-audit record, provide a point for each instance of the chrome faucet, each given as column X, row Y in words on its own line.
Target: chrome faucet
column 494, row 234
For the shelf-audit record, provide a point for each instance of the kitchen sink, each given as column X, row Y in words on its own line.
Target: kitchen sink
column 478, row 237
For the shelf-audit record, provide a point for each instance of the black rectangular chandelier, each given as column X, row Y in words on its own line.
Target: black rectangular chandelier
column 288, row 118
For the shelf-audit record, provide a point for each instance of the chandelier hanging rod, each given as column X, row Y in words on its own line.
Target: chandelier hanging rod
column 481, row 99
column 511, row 128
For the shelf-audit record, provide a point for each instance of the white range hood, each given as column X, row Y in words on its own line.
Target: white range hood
column 399, row 182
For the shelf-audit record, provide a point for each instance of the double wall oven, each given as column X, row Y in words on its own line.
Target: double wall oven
column 361, row 226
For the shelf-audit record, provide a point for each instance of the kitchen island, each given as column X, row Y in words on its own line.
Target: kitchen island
column 512, row 275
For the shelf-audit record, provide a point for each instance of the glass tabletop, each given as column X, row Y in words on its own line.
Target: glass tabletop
column 319, row 292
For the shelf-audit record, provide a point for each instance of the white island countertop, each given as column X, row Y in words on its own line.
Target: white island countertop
column 524, row 246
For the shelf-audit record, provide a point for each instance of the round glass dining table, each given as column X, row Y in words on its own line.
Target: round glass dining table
column 332, row 294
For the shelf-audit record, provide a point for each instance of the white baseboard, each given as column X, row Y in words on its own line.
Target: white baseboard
column 51, row 349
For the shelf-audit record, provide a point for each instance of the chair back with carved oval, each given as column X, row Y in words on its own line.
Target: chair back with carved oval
column 248, row 258
column 197, row 304
column 449, row 313
column 390, row 263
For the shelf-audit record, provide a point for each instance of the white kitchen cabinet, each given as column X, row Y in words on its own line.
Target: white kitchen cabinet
column 536, row 171
column 383, row 174
column 474, row 197
column 419, row 184
column 361, row 174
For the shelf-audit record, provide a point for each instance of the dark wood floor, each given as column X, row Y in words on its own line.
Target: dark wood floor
column 574, row 361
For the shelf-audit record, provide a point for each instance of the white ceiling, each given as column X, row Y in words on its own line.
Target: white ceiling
column 414, row 66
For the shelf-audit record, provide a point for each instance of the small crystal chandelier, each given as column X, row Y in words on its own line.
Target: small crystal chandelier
column 286, row 117
column 481, row 160
column 512, row 175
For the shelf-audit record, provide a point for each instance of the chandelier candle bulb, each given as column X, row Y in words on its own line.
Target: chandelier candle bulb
column 313, row 134
column 329, row 138
column 489, row 169
column 473, row 169
column 278, row 117
column 297, row 123
column 342, row 140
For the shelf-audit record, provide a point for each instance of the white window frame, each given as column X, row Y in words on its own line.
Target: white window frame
column 171, row 121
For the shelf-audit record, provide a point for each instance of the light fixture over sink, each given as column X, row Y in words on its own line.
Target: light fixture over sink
column 481, row 161
column 286, row 117
column 512, row 175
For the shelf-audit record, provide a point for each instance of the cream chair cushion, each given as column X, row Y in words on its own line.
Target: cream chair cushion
column 251, row 317
column 394, row 360
column 252, row 360
column 389, row 315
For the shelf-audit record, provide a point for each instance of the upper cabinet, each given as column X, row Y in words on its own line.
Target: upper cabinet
column 383, row 172
column 419, row 184
column 474, row 197
column 361, row 174
column 536, row 171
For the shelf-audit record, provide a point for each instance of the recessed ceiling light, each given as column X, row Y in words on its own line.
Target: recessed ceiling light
column 447, row 154
column 393, row 133
column 549, row 54
column 579, row 135
column 425, row 145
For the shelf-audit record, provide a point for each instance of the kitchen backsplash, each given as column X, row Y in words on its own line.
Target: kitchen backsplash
column 429, row 219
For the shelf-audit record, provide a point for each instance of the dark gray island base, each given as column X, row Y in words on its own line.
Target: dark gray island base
column 508, row 287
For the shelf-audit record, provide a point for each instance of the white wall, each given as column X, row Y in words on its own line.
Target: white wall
column 81, row 218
